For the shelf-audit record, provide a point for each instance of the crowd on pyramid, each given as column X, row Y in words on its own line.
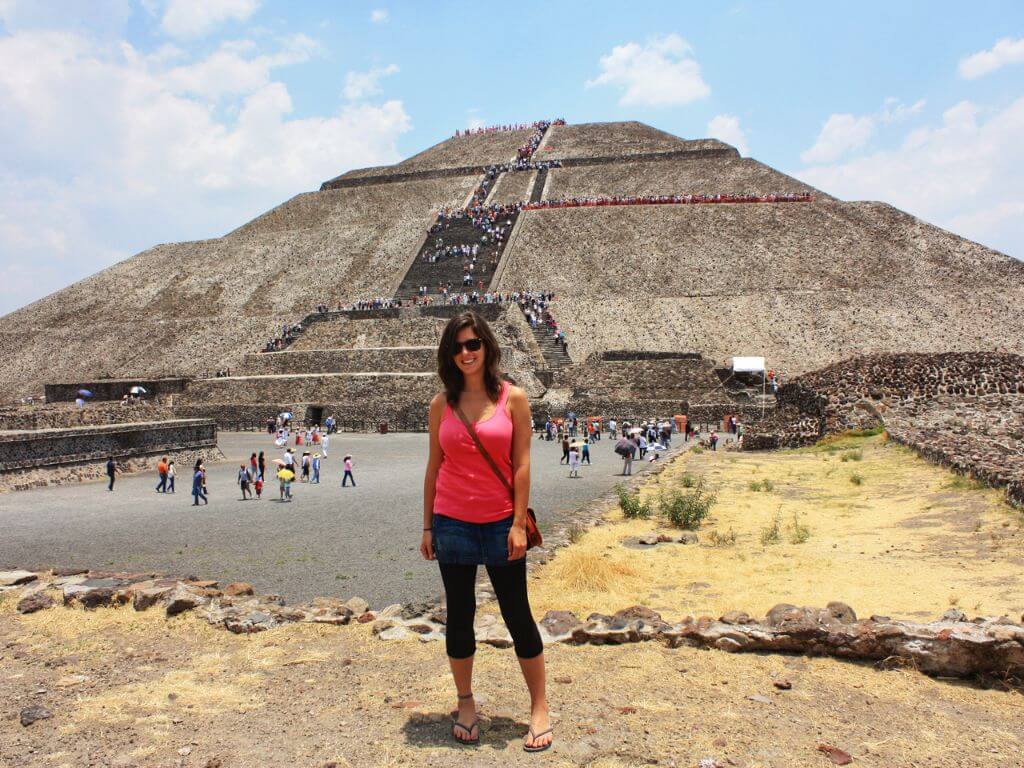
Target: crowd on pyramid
column 583, row 202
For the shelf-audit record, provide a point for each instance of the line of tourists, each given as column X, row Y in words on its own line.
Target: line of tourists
column 584, row 202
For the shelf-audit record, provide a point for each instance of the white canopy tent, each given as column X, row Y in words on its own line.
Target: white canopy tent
column 752, row 364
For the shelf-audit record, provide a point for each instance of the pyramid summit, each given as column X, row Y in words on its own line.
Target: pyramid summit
column 704, row 252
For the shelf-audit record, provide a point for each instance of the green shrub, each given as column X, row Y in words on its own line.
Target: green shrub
column 964, row 483
column 722, row 539
column 631, row 506
column 857, row 478
column 765, row 485
column 576, row 532
column 697, row 449
column 686, row 510
column 688, row 480
column 800, row 532
column 856, row 455
column 773, row 533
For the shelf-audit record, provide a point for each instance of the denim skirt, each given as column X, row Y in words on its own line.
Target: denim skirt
column 460, row 543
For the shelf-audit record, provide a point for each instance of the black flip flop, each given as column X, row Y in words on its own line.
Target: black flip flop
column 468, row 729
column 534, row 736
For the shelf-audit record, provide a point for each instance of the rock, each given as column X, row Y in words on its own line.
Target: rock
column 841, row 611
column 781, row 612
column 483, row 621
column 37, row 601
column 954, row 614
column 759, row 698
column 735, row 617
column 419, row 628
column 413, row 610
column 185, row 751
column 30, row 715
column 394, row 633
column 69, row 571
column 366, row 617
column 783, row 685
column 664, row 538
column 498, row 636
column 440, row 615
column 181, row 600
column 835, row 754
column 88, row 596
column 390, row 612
column 638, row 612
column 16, row 578
column 337, row 618
column 238, row 589
column 382, row 625
column 688, row 538
column 254, row 621
column 560, row 624
column 563, row 679
column 357, row 605
column 649, row 539
column 148, row 597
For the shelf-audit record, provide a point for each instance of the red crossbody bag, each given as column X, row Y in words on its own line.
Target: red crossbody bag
column 533, row 537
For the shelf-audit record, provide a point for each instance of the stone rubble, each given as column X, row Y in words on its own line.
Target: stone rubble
column 951, row 646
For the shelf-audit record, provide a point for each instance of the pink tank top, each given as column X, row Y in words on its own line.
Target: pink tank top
column 467, row 488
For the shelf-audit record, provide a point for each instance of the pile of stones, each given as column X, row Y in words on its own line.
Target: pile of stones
column 952, row 645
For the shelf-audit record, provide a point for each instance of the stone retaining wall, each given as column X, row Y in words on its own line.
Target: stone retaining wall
column 383, row 359
column 68, row 415
column 57, row 456
column 112, row 389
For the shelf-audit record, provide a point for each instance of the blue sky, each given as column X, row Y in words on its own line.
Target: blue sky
column 129, row 123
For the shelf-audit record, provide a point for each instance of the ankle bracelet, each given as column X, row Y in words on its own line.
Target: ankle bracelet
column 467, row 696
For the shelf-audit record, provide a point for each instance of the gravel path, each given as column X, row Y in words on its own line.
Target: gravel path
column 328, row 541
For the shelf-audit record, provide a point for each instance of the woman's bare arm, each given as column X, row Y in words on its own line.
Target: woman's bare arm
column 430, row 476
column 522, row 433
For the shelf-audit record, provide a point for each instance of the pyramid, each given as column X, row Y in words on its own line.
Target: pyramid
column 803, row 284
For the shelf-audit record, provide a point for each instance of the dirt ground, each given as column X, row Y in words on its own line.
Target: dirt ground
column 130, row 689
column 908, row 540
column 134, row 689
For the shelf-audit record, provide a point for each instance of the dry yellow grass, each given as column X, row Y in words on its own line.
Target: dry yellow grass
column 909, row 540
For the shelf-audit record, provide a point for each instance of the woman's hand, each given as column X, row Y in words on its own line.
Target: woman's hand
column 427, row 545
column 517, row 542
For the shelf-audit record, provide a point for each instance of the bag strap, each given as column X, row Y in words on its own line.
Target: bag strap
column 483, row 451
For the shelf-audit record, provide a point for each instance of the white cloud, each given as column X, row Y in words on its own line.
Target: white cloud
column 1005, row 51
column 232, row 69
column 840, row 134
column 359, row 85
column 475, row 122
column 962, row 174
column 727, row 128
column 379, row 15
column 104, row 151
column 195, row 18
column 661, row 73
column 895, row 111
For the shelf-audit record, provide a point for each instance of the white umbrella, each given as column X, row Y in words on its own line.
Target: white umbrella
column 137, row 390
column 635, row 431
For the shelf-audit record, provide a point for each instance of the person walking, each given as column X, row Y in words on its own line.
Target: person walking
column 475, row 502
column 170, row 476
column 306, row 461
column 714, row 440
column 261, row 462
column 325, row 440
column 316, row 468
column 199, row 485
column 565, row 450
column 243, row 481
column 574, row 461
column 161, row 470
column 611, row 428
column 585, row 455
column 111, row 470
column 348, row 473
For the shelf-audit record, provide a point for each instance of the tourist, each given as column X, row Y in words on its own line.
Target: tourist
column 585, row 455
column 111, row 469
column 325, row 440
column 258, row 485
column 305, row 463
column 254, row 467
column 642, row 442
column 261, row 462
column 316, row 468
column 612, row 425
column 491, row 528
column 348, row 472
column 289, row 460
column 170, row 476
column 574, row 460
column 243, row 480
column 627, row 454
column 713, row 442
column 565, row 450
column 161, row 471
column 199, row 485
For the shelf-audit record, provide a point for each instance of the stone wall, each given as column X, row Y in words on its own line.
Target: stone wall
column 620, row 139
column 383, row 359
column 56, row 456
column 112, row 389
column 68, row 415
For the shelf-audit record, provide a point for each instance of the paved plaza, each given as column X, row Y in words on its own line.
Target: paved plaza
column 329, row 541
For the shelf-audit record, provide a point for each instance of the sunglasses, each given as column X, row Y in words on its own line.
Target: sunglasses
column 470, row 345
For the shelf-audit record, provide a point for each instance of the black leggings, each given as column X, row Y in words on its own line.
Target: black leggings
column 509, row 582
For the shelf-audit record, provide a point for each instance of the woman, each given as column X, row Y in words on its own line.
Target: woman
column 469, row 518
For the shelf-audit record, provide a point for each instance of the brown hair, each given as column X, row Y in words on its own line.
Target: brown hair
column 449, row 371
